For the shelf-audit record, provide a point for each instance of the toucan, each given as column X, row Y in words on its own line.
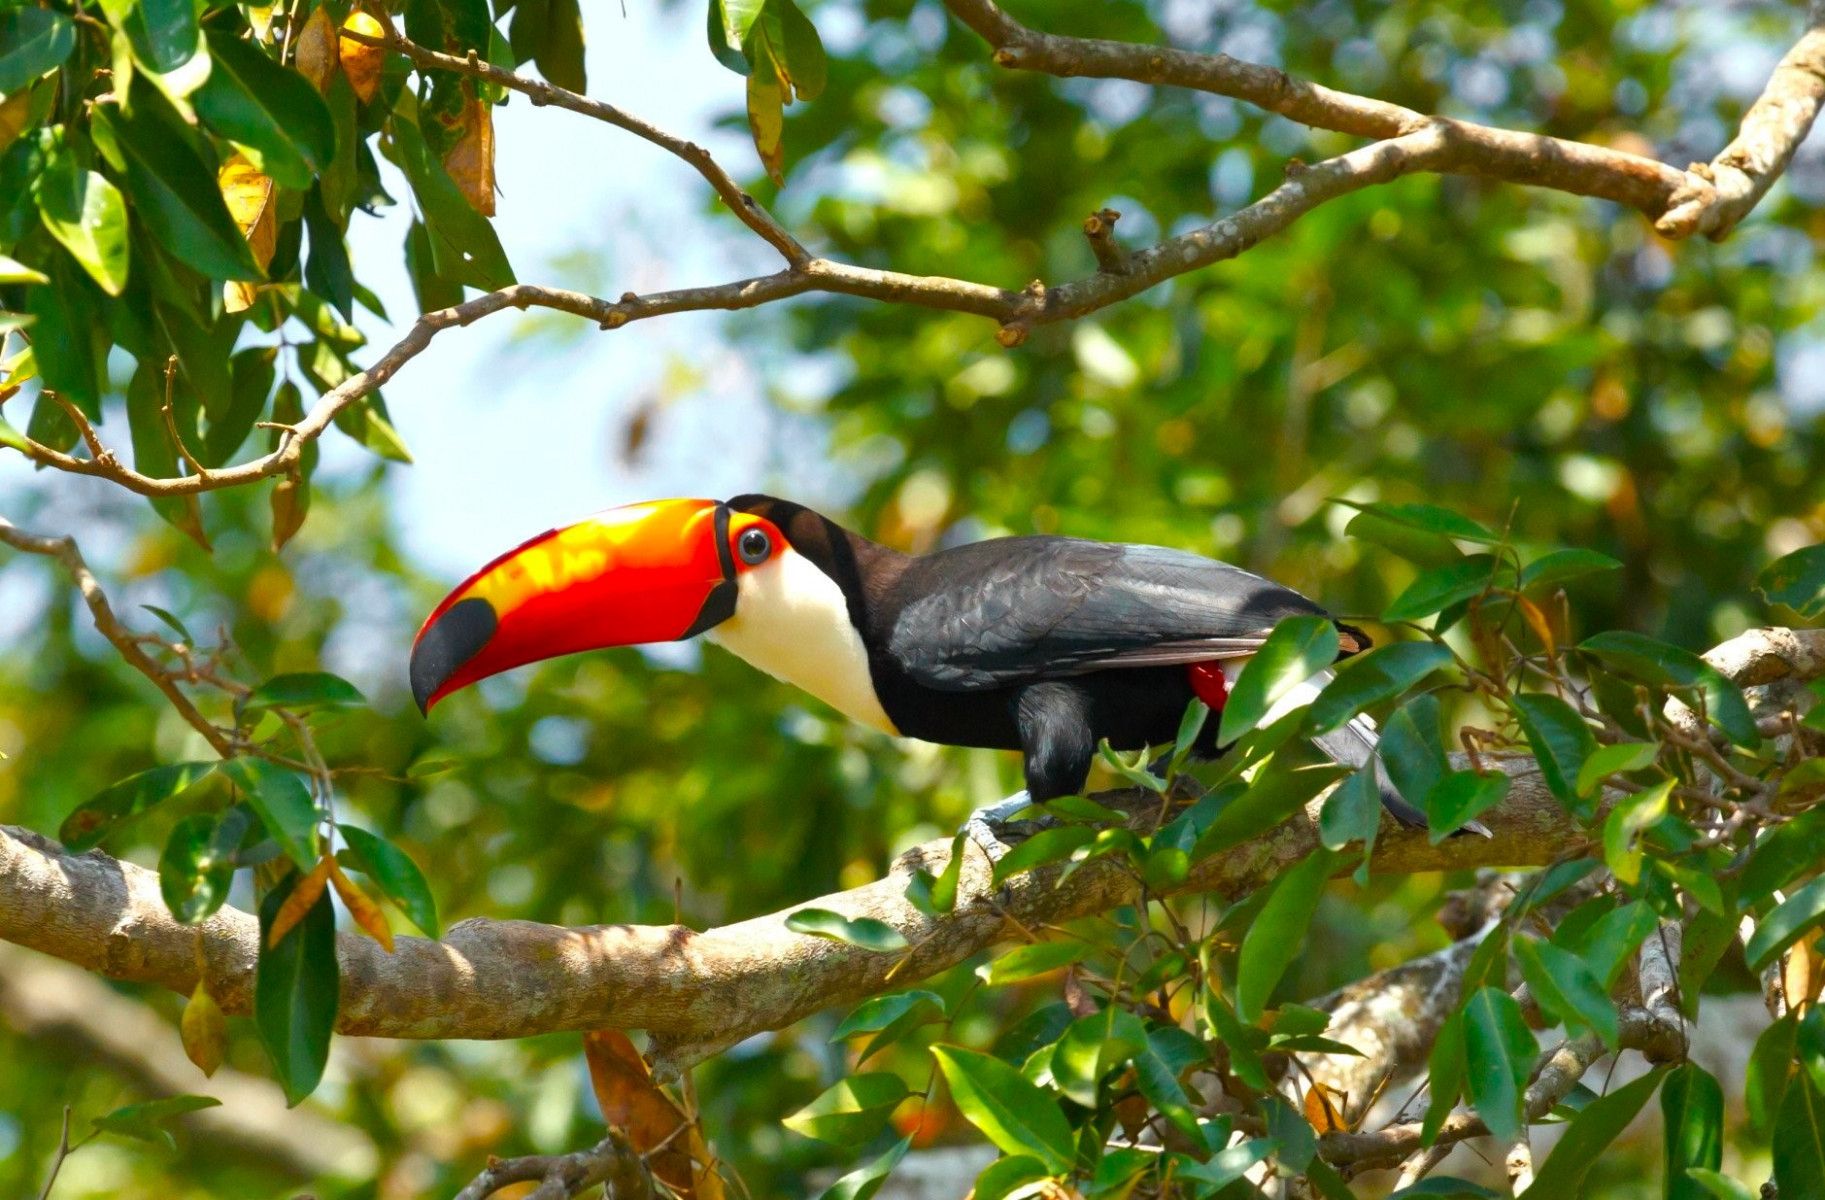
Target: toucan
column 1041, row 644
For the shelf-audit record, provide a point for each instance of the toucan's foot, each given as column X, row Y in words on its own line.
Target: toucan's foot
column 992, row 830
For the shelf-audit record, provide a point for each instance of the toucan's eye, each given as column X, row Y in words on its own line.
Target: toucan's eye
column 754, row 547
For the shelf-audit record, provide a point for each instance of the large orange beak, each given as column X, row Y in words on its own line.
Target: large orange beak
column 654, row 572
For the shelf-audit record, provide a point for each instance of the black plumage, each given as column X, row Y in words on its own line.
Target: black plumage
column 1050, row 644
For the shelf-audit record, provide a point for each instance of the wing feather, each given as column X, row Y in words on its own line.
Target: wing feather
column 1015, row 610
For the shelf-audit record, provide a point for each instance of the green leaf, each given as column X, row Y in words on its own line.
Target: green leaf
column 175, row 625
column 1692, row 1109
column 1190, row 726
column 154, row 452
column 1618, row 759
column 32, row 41
column 1562, row 565
column 1012, row 1113
column 1607, row 945
column 1669, row 666
column 1412, row 749
column 1226, row 1166
column 944, row 890
column 85, row 212
column 1566, row 989
column 273, row 112
column 1236, row 1037
column 295, row 990
column 1438, row 588
column 803, row 49
column 1770, row 1071
column 851, row 1112
column 393, row 872
column 1352, row 812
column 866, row 932
column 1135, row 773
column 1561, row 742
column 69, row 343
column 1277, row 935
column 1276, row 794
column 252, row 372
column 1708, row 938
column 1369, row 678
column 1782, row 853
column 197, row 866
column 1796, row 580
column 147, row 1121
column 1445, row 1076
column 94, row 820
column 1796, row 917
column 1002, row 1176
column 1298, row 648
column 1288, row 1126
column 1418, row 532
column 1158, row 1065
column 173, row 190
column 1042, row 849
column 1799, row 1143
column 1721, row 1186
column 1588, row 1136
column 1624, row 826
column 304, row 690
column 282, row 804
column 1024, row 962
column 864, row 1182
column 14, row 271
column 1459, row 798
column 1499, row 1053
column 163, row 33
column 464, row 248
column 1444, row 1187
column 1091, row 1047
column 328, row 274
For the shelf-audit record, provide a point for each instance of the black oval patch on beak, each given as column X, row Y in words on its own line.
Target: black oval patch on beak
column 452, row 640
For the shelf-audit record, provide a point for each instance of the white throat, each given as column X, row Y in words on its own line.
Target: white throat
column 792, row 621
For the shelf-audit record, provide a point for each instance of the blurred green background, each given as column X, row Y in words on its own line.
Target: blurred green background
column 1532, row 359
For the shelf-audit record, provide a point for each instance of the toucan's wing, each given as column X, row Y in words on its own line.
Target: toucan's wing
column 1014, row 610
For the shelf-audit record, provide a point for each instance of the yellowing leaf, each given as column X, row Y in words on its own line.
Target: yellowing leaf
column 767, row 118
column 367, row 914
column 204, row 1030
column 301, row 900
column 360, row 61
column 249, row 196
column 470, row 162
column 317, row 57
column 290, row 505
column 1325, row 1115
column 15, row 111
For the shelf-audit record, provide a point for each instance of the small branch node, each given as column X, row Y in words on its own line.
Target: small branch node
column 1111, row 255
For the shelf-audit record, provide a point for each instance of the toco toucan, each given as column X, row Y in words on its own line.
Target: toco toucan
column 1039, row 644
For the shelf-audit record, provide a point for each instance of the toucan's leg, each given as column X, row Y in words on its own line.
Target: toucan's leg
column 1058, row 741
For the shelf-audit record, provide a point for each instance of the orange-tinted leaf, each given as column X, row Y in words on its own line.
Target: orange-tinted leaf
column 631, row 1101
column 471, row 161
column 290, row 504
column 317, row 49
column 300, row 901
column 249, row 196
column 366, row 913
column 1542, row 627
column 1325, row 1115
column 204, row 1030
column 704, row 1177
column 360, row 61
column 15, row 111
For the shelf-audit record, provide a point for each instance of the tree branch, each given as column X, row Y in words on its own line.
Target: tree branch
column 1709, row 198
column 610, row 1161
column 697, row 992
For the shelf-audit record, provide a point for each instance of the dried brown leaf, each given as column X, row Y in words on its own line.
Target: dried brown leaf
column 360, row 61
column 316, row 55
column 631, row 1101
column 471, row 161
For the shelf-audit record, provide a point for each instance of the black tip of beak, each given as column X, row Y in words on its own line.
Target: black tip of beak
column 449, row 642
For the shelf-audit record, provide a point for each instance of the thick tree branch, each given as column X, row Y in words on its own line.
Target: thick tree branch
column 697, row 992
